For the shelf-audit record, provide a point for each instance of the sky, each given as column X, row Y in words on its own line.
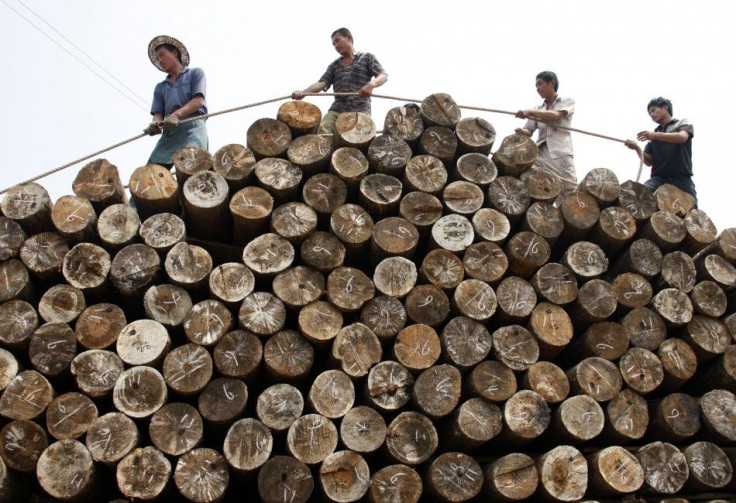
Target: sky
column 611, row 57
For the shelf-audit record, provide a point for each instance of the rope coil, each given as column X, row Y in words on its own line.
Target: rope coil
column 282, row 98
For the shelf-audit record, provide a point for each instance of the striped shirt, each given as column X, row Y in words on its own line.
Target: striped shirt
column 350, row 79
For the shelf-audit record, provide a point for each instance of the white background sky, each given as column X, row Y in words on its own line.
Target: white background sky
column 611, row 57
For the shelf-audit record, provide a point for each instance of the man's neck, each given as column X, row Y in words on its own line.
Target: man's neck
column 550, row 100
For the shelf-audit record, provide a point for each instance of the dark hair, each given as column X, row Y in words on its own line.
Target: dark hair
column 342, row 31
column 548, row 77
column 170, row 48
column 660, row 102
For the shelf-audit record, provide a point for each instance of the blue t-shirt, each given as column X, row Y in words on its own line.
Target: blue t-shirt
column 168, row 98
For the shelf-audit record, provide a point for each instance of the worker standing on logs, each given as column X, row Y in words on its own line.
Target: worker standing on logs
column 180, row 95
column 350, row 73
column 555, row 144
column 670, row 148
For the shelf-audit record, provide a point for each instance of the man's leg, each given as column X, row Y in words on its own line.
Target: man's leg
column 328, row 122
column 563, row 167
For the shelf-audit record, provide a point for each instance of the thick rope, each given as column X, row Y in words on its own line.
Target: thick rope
column 281, row 98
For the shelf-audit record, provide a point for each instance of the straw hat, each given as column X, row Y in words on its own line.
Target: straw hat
column 165, row 39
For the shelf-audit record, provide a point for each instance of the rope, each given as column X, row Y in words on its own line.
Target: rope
column 281, row 98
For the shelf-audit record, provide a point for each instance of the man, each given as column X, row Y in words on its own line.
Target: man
column 555, row 144
column 180, row 96
column 670, row 148
column 350, row 73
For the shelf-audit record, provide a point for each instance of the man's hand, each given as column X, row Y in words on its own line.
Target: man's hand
column 631, row 144
column 297, row 95
column 366, row 90
column 170, row 122
column 153, row 129
column 645, row 136
column 521, row 130
column 522, row 114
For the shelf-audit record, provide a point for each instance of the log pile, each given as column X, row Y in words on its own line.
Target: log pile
column 371, row 316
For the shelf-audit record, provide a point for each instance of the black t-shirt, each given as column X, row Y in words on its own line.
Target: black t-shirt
column 672, row 159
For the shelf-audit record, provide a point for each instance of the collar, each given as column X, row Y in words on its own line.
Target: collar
column 666, row 125
column 183, row 71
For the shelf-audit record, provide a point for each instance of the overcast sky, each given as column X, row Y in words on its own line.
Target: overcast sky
column 611, row 57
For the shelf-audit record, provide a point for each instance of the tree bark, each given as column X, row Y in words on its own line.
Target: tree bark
column 425, row 173
column 279, row 177
column 74, row 218
column 388, row 154
column 154, row 190
column 509, row 196
column 29, row 205
column 99, row 182
column 515, row 155
column 380, row 194
column 311, row 152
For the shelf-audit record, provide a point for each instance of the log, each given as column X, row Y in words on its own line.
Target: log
column 473, row 423
column 462, row 197
column 320, row 322
column 143, row 342
column 17, row 285
column 353, row 226
column 700, row 231
column 134, row 270
column 279, row 177
column 452, row 232
column 526, row 416
column 563, row 474
column 324, row 193
column 613, row 230
column 674, row 418
column 526, row 252
column 99, row 182
column 515, row 155
column 475, row 168
column 638, row 200
column 642, row 257
column 405, row 122
column 247, row 445
column 548, row 380
column 465, row 342
column 580, row 211
column 118, row 226
column 344, row 476
column 436, row 390
column 440, row 109
column 293, row 221
column 602, row 184
column 188, row 161
column 262, row 313
column 96, row 371
column 268, row 138
column 188, row 266
column 388, row 154
column 411, row 438
column 70, row 415
column 512, row 477
column 388, row 386
column 674, row 200
column 724, row 246
column 631, row 291
column 707, row 337
column 154, row 190
column 576, row 420
column 545, row 220
column 139, row 392
column 425, row 173
column 287, row 356
column 52, row 348
column 718, row 414
column 595, row 303
column 11, row 237
column 251, row 209
column 74, row 218
column 234, row 163
column 350, row 165
column 485, row 261
column 86, row 267
column 679, row 363
column 238, row 354
column 356, row 349
column 167, row 304
column 492, row 380
column 111, row 437
column 475, row 134
column 176, row 428
column 222, row 401
column 61, row 304
column 395, row 276
column 614, row 471
column 586, row 260
column 331, row 394
column 395, row 481
column 311, row 438
column 509, row 196
column 598, row 378
column 279, row 405
column 627, row 417
column 551, row 327
column 543, row 186
column 349, row 289
column 187, row 369
column 202, row 475
column 641, row 370
column 380, row 194
column 442, row 268
column 673, row 306
column 709, row 267
column 665, row 229
column 645, row 328
column 301, row 117
column 363, row 430
column 708, row 299
column 311, row 152
column 354, row 129
column 516, row 300
column 665, row 467
column 29, row 205
column 43, row 255
column 285, row 477
column 21, row 444
column 454, row 476
column 230, row 283
column 555, row 283
column 427, row 304
column 205, row 197
column 393, row 236
column 66, row 471
column 475, row 299
column 207, row 322
column 143, row 474
column 710, row 468
column 605, row 339
column 421, row 209
column 268, row 255
column 515, row 347
column 322, row 251
column 491, row 225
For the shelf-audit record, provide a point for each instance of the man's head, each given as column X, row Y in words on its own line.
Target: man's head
column 342, row 41
column 660, row 109
column 165, row 52
column 548, row 77
column 547, row 85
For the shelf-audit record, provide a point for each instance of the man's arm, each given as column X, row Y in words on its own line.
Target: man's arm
column 314, row 88
column 646, row 158
column 542, row 115
column 190, row 106
column 674, row 137
column 367, row 89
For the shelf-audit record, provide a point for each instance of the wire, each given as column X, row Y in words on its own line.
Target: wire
column 145, row 109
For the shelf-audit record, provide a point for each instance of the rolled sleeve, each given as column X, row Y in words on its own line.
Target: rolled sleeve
column 199, row 82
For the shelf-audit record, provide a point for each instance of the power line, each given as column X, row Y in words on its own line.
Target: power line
column 82, row 51
column 75, row 57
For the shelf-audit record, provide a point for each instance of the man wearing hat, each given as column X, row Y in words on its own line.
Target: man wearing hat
column 181, row 95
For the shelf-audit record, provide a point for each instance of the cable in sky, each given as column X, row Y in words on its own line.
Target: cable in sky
column 75, row 57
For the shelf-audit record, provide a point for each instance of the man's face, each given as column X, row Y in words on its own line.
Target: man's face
column 166, row 58
column 658, row 114
column 342, row 44
column 545, row 89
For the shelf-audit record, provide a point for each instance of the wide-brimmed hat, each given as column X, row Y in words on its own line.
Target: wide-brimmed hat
column 165, row 39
